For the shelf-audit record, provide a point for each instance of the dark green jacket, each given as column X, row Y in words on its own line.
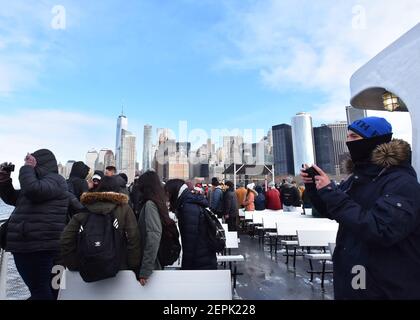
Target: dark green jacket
column 150, row 227
column 104, row 203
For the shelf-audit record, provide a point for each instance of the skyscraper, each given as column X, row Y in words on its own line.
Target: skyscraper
column 128, row 157
column 122, row 124
column 354, row 114
column 303, row 141
column 147, row 148
column 283, row 150
column 92, row 159
column 233, row 150
column 339, row 133
column 69, row 166
column 106, row 158
column 324, row 149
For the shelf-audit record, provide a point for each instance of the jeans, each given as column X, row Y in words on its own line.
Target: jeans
column 35, row 269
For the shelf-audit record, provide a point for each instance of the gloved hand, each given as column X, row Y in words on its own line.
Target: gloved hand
column 4, row 175
column 30, row 160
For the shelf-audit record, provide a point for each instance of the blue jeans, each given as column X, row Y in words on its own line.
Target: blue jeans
column 35, row 269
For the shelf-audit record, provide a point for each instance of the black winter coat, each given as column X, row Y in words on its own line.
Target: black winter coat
column 196, row 252
column 290, row 196
column 230, row 204
column 77, row 179
column 41, row 206
column 378, row 211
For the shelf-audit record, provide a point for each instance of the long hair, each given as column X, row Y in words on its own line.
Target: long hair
column 172, row 189
column 150, row 187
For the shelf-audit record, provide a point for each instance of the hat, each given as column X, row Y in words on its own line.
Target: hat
column 251, row 186
column 371, row 127
column 97, row 177
column 109, row 184
column 272, row 184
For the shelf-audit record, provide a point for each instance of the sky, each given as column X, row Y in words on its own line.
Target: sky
column 68, row 67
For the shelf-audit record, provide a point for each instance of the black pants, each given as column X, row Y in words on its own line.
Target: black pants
column 35, row 269
column 231, row 222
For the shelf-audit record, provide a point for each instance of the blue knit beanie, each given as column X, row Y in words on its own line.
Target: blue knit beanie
column 371, row 127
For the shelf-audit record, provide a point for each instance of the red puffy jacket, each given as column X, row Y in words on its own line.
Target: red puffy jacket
column 272, row 200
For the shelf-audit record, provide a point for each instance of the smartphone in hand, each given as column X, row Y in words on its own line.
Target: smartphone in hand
column 312, row 172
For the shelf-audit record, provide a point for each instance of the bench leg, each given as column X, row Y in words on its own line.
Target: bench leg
column 312, row 270
column 294, row 257
column 275, row 246
column 234, row 276
column 323, row 274
column 287, row 254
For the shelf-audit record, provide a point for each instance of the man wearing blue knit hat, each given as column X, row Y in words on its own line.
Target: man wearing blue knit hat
column 377, row 253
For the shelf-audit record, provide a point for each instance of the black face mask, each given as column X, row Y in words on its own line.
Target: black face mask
column 361, row 150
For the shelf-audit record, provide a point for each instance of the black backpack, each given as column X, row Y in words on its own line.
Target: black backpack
column 216, row 233
column 99, row 247
column 169, row 248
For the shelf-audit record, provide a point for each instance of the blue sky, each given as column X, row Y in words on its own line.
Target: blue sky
column 216, row 64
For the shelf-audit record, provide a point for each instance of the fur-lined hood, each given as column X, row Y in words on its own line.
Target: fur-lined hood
column 387, row 155
column 92, row 197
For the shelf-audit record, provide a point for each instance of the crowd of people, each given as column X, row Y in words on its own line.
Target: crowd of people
column 377, row 208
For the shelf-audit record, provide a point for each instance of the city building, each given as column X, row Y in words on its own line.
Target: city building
column 354, row 114
column 233, row 150
column 147, row 148
column 303, row 141
column 128, row 157
column 106, row 158
column 324, row 149
column 69, row 166
column 283, row 150
column 339, row 134
column 122, row 124
column 92, row 158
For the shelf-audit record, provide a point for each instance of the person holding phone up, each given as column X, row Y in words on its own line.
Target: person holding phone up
column 378, row 211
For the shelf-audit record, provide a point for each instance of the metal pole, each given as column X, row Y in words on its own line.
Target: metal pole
column 234, row 175
column 274, row 176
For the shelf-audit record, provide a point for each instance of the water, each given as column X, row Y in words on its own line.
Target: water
column 15, row 288
column 5, row 210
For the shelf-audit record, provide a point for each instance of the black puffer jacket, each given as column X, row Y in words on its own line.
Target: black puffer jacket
column 378, row 210
column 77, row 180
column 196, row 252
column 41, row 206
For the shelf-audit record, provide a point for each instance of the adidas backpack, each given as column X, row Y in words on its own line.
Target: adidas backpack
column 99, row 247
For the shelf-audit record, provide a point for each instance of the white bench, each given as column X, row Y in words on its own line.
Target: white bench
column 317, row 238
column 162, row 285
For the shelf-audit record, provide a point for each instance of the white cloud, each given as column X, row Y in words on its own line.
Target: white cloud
column 69, row 135
column 26, row 37
column 315, row 45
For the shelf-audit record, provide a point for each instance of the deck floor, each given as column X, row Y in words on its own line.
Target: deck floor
column 266, row 278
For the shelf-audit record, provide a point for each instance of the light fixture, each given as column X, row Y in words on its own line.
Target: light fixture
column 391, row 101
